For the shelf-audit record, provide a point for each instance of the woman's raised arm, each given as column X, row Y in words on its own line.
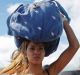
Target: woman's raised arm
column 67, row 55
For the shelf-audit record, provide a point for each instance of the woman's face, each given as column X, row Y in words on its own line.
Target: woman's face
column 35, row 52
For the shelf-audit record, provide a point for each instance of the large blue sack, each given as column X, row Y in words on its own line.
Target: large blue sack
column 38, row 22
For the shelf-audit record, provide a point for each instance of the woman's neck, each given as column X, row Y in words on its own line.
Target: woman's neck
column 35, row 69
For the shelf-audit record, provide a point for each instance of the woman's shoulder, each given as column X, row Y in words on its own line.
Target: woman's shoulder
column 50, row 70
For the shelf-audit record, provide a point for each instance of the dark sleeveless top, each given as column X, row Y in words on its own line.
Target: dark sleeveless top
column 46, row 69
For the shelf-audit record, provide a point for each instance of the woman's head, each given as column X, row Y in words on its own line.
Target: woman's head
column 33, row 51
column 50, row 46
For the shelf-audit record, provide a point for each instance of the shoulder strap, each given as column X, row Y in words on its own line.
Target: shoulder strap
column 46, row 69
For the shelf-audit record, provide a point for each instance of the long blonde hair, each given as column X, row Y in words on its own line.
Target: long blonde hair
column 19, row 60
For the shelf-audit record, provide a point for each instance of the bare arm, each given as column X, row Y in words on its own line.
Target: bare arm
column 67, row 55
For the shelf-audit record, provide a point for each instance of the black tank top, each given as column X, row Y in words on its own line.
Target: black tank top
column 46, row 69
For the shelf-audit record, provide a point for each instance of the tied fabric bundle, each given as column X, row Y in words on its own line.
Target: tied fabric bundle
column 38, row 22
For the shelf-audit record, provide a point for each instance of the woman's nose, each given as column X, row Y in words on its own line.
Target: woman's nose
column 37, row 51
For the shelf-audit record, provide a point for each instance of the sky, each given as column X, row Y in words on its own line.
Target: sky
column 7, row 44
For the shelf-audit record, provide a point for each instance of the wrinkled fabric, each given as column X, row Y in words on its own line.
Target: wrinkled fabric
column 40, row 22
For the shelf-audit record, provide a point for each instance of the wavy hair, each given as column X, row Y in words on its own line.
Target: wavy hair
column 19, row 61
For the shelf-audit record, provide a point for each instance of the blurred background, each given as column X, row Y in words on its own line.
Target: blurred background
column 7, row 45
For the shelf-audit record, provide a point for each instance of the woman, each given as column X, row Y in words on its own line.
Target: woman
column 33, row 53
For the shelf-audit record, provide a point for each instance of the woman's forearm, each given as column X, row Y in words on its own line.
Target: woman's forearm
column 73, row 42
